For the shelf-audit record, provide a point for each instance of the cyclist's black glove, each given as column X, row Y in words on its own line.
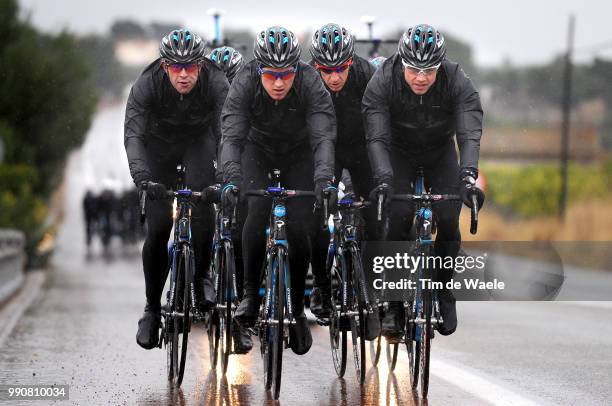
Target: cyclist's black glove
column 155, row 191
column 325, row 190
column 230, row 195
column 467, row 189
column 386, row 190
column 212, row 193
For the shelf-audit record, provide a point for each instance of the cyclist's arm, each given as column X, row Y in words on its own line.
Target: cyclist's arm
column 468, row 116
column 321, row 122
column 377, row 121
column 217, row 92
column 136, row 113
column 235, row 124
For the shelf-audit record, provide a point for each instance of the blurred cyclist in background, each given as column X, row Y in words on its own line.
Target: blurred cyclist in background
column 228, row 59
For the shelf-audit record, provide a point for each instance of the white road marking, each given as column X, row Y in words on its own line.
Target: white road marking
column 478, row 385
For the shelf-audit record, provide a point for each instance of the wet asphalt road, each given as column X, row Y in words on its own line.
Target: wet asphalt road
column 80, row 331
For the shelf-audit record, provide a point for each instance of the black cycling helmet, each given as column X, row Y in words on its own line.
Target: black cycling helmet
column 378, row 61
column 228, row 59
column 276, row 47
column 332, row 45
column 182, row 46
column 422, row 46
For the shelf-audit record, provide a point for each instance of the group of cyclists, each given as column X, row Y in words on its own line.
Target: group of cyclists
column 109, row 214
column 378, row 120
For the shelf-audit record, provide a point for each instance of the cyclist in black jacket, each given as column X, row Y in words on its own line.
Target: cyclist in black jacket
column 278, row 115
column 414, row 105
column 345, row 76
column 172, row 117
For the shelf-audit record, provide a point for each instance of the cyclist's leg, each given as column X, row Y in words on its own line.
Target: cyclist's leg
column 400, row 223
column 199, row 173
column 255, row 168
column 444, row 178
column 162, row 160
column 320, row 298
column 356, row 160
column 297, row 173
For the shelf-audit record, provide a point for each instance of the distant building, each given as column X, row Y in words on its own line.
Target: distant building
column 136, row 52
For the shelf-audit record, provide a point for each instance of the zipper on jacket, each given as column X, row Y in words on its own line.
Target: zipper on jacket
column 421, row 99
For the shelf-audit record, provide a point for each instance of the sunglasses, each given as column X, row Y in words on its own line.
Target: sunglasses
column 274, row 75
column 420, row 71
column 178, row 67
column 338, row 69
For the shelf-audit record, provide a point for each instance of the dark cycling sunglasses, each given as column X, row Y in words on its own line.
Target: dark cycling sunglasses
column 274, row 75
column 329, row 70
column 178, row 67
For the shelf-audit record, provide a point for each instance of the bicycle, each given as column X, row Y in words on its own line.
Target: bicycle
column 422, row 309
column 350, row 300
column 276, row 310
column 223, row 272
column 180, row 308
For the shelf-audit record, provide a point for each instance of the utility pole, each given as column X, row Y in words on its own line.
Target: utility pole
column 566, row 104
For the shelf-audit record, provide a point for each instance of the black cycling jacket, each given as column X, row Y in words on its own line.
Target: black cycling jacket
column 347, row 103
column 395, row 117
column 155, row 109
column 305, row 116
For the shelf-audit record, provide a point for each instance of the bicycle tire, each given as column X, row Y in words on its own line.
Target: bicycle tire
column 280, row 317
column 213, row 338
column 375, row 346
column 265, row 331
column 392, row 350
column 425, row 346
column 188, row 268
column 413, row 347
column 338, row 337
column 226, row 347
column 213, row 329
column 358, row 288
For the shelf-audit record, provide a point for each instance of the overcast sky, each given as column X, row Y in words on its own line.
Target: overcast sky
column 526, row 31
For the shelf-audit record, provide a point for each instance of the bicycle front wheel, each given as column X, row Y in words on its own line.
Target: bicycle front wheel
column 280, row 317
column 338, row 336
column 226, row 268
column 359, row 304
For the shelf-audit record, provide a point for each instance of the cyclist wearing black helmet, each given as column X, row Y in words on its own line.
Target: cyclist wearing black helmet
column 415, row 104
column 228, row 59
column 173, row 117
column 346, row 76
column 278, row 115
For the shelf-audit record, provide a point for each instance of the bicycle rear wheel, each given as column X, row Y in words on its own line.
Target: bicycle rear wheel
column 392, row 350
